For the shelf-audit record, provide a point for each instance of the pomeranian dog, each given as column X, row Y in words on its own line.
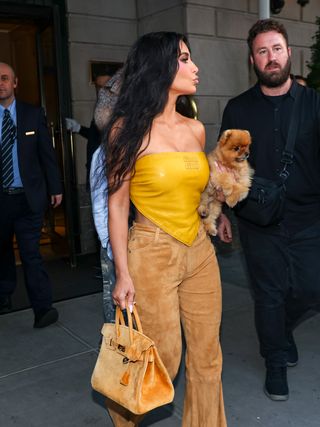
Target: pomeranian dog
column 230, row 173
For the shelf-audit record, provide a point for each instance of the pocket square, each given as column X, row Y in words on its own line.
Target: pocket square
column 30, row 132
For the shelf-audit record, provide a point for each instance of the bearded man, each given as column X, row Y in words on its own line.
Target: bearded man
column 283, row 258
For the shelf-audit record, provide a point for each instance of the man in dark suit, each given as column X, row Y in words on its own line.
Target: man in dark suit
column 28, row 176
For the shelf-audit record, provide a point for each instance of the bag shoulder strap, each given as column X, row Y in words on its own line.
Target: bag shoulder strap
column 287, row 154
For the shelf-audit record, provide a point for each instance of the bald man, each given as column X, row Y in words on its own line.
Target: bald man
column 29, row 179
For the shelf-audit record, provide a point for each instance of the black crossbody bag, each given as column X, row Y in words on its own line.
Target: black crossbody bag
column 265, row 202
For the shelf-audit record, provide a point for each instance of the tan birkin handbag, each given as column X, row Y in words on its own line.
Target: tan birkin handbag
column 129, row 369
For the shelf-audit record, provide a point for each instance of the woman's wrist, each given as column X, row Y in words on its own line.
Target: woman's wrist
column 122, row 273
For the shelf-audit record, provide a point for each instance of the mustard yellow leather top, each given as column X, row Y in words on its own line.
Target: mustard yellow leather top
column 166, row 189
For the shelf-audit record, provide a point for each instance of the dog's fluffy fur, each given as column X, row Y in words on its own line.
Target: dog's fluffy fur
column 229, row 172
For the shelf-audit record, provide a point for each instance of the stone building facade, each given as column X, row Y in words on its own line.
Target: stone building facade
column 103, row 30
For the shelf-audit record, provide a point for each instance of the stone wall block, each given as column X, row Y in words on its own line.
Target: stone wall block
column 300, row 34
column 86, row 29
column 169, row 20
column 223, row 66
column 150, row 7
column 212, row 133
column 117, row 9
column 222, row 105
column 234, row 25
column 200, row 20
column 208, row 109
column 240, row 5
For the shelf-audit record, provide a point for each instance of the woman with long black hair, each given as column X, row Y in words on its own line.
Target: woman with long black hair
column 166, row 262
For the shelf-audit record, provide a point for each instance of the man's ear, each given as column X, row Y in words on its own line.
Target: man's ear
column 289, row 51
column 15, row 83
column 251, row 60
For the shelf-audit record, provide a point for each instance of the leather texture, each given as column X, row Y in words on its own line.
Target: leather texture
column 166, row 189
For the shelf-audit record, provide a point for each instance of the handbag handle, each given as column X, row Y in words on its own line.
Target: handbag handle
column 131, row 317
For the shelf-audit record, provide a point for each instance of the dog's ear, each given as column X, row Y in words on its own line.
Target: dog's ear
column 248, row 134
column 225, row 136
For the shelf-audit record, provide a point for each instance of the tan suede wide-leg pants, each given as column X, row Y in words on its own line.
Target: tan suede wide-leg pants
column 175, row 283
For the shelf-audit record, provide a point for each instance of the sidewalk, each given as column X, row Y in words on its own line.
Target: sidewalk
column 45, row 374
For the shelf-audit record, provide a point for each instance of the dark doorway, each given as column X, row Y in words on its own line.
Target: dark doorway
column 32, row 43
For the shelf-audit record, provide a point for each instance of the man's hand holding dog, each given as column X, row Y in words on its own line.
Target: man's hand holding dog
column 224, row 230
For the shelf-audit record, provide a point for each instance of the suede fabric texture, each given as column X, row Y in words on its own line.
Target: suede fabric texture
column 176, row 284
column 129, row 369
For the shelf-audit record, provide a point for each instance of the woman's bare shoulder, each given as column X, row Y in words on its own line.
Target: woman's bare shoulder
column 197, row 128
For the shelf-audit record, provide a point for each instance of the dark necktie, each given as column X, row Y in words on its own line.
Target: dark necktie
column 7, row 135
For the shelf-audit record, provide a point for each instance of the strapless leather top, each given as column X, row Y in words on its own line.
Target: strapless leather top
column 166, row 189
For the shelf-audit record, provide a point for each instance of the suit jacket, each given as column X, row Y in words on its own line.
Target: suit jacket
column 36, row 157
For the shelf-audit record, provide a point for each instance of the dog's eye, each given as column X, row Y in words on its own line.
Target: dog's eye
column 236, row 148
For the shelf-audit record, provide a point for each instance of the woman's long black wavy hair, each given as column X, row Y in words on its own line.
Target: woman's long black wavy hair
column 149, row 71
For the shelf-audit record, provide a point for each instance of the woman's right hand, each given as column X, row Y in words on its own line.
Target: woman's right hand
column 124, row 293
